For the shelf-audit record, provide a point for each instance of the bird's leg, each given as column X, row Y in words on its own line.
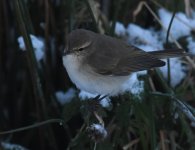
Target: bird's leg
column 98, row 117
column 97, row 97
column 94, row 103
column 101, row 98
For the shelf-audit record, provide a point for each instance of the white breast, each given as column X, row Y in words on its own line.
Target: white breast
column 85, row 79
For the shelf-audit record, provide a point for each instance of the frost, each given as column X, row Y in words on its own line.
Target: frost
column 37, row 43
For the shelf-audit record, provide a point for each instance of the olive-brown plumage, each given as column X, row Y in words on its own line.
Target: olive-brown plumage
column 106, row 59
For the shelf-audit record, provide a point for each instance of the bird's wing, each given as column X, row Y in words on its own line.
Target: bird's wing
column 115, row 57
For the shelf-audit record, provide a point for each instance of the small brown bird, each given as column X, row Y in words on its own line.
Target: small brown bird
column 100, row 64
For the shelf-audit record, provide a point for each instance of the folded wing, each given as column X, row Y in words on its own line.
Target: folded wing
column 117, row 58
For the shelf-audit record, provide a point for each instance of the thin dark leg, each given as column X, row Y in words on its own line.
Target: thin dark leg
column 97, row 97
column 103, row 97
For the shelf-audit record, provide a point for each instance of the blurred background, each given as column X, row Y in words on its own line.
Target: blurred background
column 156, row 109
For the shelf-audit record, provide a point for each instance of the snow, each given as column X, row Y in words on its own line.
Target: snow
column 143, row 37
column 120, row 29
column 177, row 71
column 37, row 43
column 181, row 26
column 100, row 129
column 106, row 102
column 191, row 45
column 66, row 97
column 133, row 85
column 10, row 146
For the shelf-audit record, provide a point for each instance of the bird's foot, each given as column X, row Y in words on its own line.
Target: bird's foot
column 94, row 103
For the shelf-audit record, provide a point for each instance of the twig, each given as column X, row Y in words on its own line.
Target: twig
column 162, row 140
column 130, row 144
column 188, row 9
column 172, row 136
column 183, row 107
column 151, row 84
column 95, row 146
column 167, row 39
column 77, row 135
column 99, row 118
column 60, row 121
column 92, row 15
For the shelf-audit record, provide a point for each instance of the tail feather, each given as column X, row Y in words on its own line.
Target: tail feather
column 169, row 53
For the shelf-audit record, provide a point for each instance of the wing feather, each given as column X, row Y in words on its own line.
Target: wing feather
column 115, row 57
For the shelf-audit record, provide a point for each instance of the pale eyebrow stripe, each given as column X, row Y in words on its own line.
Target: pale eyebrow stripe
column 86, row 44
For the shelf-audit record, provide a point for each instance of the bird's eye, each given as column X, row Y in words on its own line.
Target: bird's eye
column 80, row 49
column 83, row 46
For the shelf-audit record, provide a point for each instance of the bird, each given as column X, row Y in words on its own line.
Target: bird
column 100, row 64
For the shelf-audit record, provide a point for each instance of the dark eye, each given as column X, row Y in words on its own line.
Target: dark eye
column 80, row 49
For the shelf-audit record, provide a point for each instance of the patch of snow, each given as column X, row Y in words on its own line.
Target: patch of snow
column 181, row 25
column 191, row 45
column 133, row 85
column 106, row 102
column 120, row 29
column 99, row 129
column 37, row 43
column 177, row 71
column 85, row 95
column 140, row 37
column 10, row 146
column 66, row 97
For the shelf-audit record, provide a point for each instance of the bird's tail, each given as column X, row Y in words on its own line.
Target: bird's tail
column 169, row 53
